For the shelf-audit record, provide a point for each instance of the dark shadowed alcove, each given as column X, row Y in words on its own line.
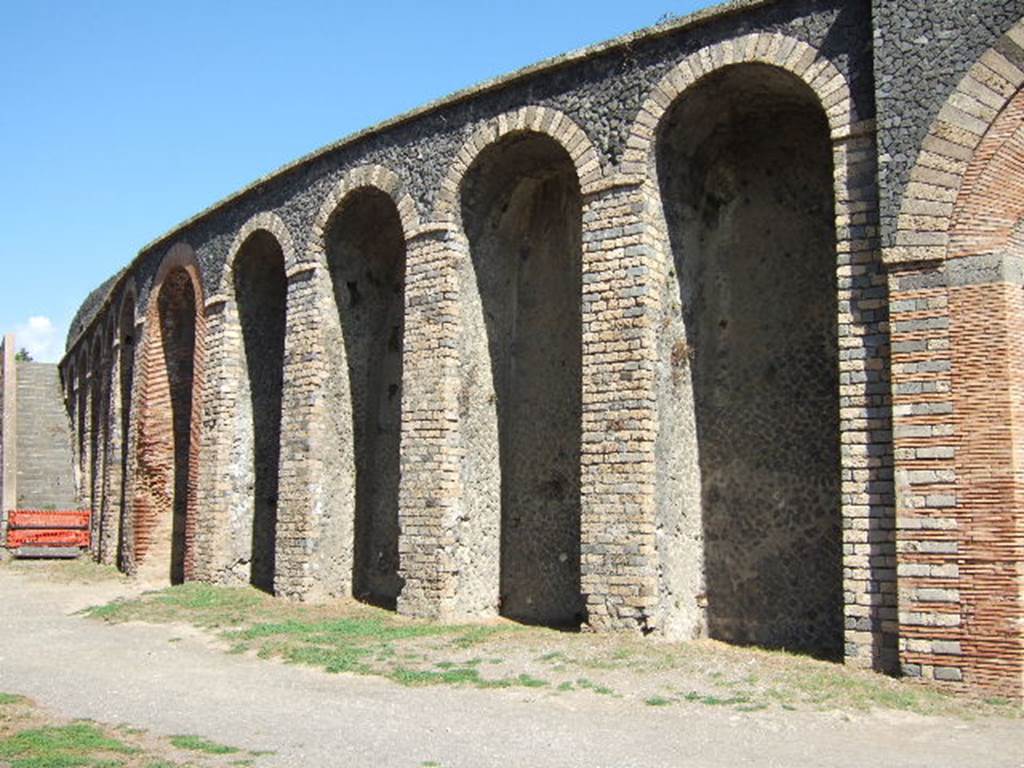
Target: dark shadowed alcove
column 365, row 246
column 522, row 212
column 745, row 168
column 261, row 295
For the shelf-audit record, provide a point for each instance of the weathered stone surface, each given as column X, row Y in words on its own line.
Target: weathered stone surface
column 680, row 334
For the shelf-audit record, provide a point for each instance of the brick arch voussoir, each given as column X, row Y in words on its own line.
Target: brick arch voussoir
column 266, row 222
column 964, row 135
column 532, row 119
column 787, row 53
column 180, row 255
column 376, row 177
column 989, row 209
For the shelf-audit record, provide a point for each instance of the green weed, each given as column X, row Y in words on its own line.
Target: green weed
column 199, row 744
column 67, row 746
column 657, row 701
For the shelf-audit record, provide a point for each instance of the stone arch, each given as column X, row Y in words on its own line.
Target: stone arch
column 81, row 426
column 988, row 215
column 122, row 386
column 976, row 120
column 788, row 53
column 517, row 227
column 256, row 319
column 744, row 251
column 532, row 119
column 95, row 374
column 270, row 223
column 166, row 461
column 359, row 241
column 98, row 412
column 376, row 177
column 108, row 328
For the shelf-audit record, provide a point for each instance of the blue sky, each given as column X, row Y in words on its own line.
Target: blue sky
column 119, row 120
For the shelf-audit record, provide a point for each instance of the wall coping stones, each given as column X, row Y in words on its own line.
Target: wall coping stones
column 110, row 287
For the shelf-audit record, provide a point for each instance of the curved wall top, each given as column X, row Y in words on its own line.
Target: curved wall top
column 595, row 103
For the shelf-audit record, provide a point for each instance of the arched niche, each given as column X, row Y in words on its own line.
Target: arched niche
column 170, row 423
column 260, row 290
column 364, row 245
column 745, row 169
column 521, row 210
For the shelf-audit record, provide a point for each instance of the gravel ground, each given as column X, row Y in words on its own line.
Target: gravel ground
column 169, row 680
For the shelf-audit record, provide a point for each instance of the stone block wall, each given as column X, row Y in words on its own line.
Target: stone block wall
column 35, row 440
column 926, row 572
column 8, row 432
column 44, row 465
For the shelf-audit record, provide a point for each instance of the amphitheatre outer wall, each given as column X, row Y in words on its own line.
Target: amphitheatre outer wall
column 677, row 334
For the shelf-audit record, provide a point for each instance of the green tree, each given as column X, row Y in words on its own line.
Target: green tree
column 23, row 356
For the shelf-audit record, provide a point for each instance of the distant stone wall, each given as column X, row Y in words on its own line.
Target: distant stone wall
column 35, row 437
column 44, row 463
column 8, row 432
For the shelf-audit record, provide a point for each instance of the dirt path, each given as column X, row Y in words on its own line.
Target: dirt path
column 168, row 680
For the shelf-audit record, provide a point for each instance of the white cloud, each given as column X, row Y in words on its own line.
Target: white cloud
column 41, row 338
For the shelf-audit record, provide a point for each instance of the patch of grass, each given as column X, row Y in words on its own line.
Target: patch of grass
column 363, row 640
column 456, row 676
column 752, row 707
column 199, row 744
column 205, row 605
column 11, row 698
column 657, row 701
column 527, row 681
column 66, row 746
column 555, row 657
column 474, row 635
column 713, row 700
column 590, row 685
column 461, row 675
column 826, row 686
column 347, row 637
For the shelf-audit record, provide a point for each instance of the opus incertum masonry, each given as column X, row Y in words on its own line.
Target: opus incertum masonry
column 715, row 329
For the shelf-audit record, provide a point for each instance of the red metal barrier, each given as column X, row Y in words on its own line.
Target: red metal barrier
column 46, row 537
column 47, row 532
column 45, row 518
